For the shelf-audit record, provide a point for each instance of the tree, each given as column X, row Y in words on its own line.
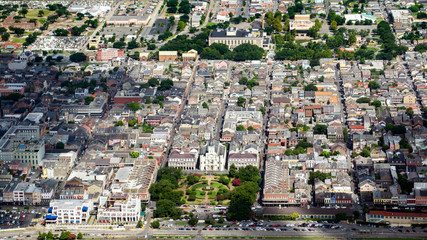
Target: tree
column 133, row 44
column 405, row 184
column 409, row 111
column 249, row 174
column 120, row 45
column 232, row 172
column 310, row 87
column 356, row 214
column 80, row 16
column 240, row 128
column 60, row 32
column 60, row 145
column 224, row 180
column 167, row 208
column 78, row 57
column 65, row 235
column 134, row 154
column 205, row 105
column 352, row 39
column 23, row 12
column 40, row 13
column 165, row 85
column 363, row 100
column 193, row 221
column 133, row 106
column 374, row 85
column 247, row 51
column 334, row 25
column 294, row 216
column 5, row 36
column 79, row 235
column 181, row 25
column 153, row 82
column 320, row 129
column 241, row 101
column 319, row 175
column 155, row 224
column 88, row 100
column 341, row 216
column 242, row 198
column 151, row 46
column 192, row 179
column 132, row 122
column 326, row 154
column 139, row 224
column 366, row 152
column 243, row 80
column 376, row 103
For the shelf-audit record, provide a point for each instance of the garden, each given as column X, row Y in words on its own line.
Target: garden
column 205, row 189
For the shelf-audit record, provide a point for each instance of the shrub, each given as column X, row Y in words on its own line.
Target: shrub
column 237, row 182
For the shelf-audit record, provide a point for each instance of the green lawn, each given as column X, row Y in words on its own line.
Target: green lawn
column 34, row 13
column 199, row 195
column 18, row 40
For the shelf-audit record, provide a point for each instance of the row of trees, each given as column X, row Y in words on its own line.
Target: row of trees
column 245, row 51
column 313, row 52
column 165, row 193
column 388, row 42
column 244, row 195
column 183, row 7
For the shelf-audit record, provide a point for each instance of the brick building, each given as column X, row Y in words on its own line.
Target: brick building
column 108, row 54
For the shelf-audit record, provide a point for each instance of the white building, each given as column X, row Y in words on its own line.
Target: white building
column 213, row 158
column 69, row 211
column 184, row 160
column 18, row 193
column 118, row 207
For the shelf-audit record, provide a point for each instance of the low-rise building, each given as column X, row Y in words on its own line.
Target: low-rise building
column 233, row 37
column 396, row 218
column 168, row 56
column 107, row 54
column 183, row 159
column 119, row 208
column 69, row 211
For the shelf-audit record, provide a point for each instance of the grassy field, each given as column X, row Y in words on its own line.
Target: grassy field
column 18, row 40
column 34, row 13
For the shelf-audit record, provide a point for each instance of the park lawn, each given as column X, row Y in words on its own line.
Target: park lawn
column 213, row 194
column 210, row 24
column 34, row 13
column 18, row 40
column 200, row 185
column 198, row 195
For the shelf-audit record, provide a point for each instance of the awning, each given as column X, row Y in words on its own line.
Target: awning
column 51, row 217
column 50, row 210
column 71, row 221
column 85, row 209
column 77, row 221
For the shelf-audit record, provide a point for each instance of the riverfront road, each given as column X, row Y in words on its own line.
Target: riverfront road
column 345, row 232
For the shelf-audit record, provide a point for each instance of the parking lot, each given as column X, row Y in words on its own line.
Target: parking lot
column 16, row 217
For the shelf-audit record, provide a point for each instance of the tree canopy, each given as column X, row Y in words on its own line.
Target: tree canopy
column 78, row 57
